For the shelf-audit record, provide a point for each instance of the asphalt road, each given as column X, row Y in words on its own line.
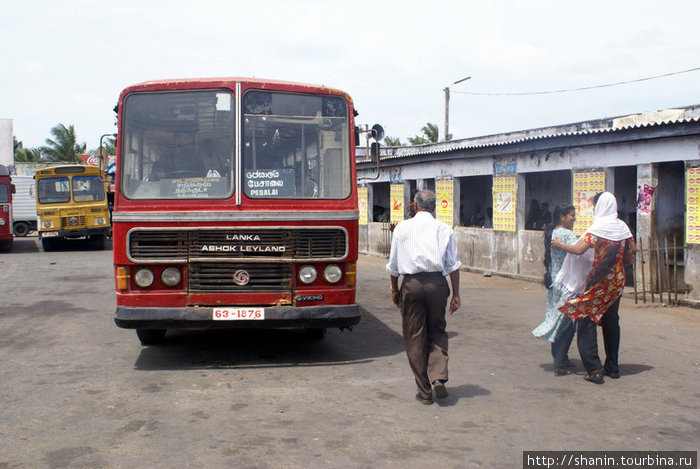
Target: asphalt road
column 76, row 391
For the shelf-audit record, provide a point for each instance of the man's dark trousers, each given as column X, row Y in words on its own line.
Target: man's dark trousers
column 423, row 301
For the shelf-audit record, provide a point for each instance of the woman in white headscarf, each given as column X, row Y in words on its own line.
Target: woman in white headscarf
column 613, row 246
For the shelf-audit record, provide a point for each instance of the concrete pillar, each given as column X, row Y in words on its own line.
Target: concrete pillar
column 610, row 180
column 646, row 174
column 457, row 202
column 692, row 258
column 521, row 204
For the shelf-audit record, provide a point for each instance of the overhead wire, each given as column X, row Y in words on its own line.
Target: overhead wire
column 526, row 93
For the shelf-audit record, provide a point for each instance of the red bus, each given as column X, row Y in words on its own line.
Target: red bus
column 6, row 191
column 235, row 207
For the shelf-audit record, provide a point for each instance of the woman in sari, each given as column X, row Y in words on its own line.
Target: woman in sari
column 598, row 305
column 556, row 327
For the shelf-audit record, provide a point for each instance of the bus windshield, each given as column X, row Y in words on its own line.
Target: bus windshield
column 4, row 194
column 295, row 146
column 178, row 145
column 53, row 190
column 88, row 189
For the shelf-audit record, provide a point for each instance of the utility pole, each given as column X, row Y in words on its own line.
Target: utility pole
column 447, row 108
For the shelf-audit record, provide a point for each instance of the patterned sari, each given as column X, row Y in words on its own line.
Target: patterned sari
column 605, row 282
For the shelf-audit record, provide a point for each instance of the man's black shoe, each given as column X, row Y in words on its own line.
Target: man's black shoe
column 596, row 378
column 423, row 400
column 612, row 374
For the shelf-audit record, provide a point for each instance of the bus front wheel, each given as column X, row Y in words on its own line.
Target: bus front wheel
column 150, row 336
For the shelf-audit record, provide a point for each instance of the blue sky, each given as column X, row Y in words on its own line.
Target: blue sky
column 66, row 62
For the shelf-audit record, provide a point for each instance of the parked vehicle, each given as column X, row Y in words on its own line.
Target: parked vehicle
column 23, row 206
column 71, row 203
column 235, row 207
column 6, row 190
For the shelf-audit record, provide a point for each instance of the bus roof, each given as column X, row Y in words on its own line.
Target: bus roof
column 227, row 82
column 68, row 169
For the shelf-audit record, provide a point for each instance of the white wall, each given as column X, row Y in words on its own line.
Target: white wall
column 6, row 146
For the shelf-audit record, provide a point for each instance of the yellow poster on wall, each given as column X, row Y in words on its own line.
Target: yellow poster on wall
column 444, row 200
column 396, row 193
column 585, row 187
column 362, row 196
column 692, row 203
column 505, row 189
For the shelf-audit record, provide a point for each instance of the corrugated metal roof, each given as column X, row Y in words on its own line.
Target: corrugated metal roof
column 606, row 125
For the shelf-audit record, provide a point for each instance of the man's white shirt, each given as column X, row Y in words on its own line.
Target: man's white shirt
column 423, row 244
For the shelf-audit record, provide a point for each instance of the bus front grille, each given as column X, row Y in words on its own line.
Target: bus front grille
column 73, row 222
column 207, row 245
column 239, row 278
column 160, row 245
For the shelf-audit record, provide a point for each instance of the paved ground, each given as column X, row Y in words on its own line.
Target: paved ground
column 76, row 391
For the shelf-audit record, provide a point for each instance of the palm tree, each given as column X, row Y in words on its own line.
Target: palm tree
column 392, row 142
column 25, row 155
column 64, row 146
column 431, row 132
column 430, row 135
column 417, row 140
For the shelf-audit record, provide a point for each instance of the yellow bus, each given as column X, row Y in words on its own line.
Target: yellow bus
column 71, row 203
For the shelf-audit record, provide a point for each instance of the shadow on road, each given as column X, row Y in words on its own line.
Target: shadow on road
column 23, row 246
column 32, row 244
column 257, row 348
column 625, row 368
column 463, row 391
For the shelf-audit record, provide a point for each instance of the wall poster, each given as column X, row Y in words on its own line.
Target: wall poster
column 362, row 196
column 505, row 190
column 585, row 187
column 396, row 194
column 444, row 200
column 692, row 201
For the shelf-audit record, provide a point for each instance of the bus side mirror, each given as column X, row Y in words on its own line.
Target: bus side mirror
column 12, row 188
column 357, row 136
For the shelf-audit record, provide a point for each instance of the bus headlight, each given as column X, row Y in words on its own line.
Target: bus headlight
column 171, row 276
column 47, row 224
column 332, row 273
column 307, row 274
column 99, row 221
column 144, row 278
column 2, row 221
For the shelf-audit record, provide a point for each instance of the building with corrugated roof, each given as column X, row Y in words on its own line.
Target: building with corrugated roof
column 648, row 160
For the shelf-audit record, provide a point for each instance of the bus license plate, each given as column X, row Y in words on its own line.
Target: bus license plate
column 237, row 314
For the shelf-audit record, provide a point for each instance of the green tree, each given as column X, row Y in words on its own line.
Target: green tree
column 392, row 142
column 64, row 146
column 417, row 140
column 25, row 155
column 430, row 135
column 431, row 132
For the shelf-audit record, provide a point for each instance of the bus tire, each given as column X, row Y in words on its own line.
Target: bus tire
column 150, row 336
column 48, row 244
column 315, row 333
column 99, row 242
column 20, row 228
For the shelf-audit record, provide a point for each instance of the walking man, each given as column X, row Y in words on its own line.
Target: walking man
column 424, row 251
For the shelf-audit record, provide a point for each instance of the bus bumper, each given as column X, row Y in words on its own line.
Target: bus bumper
column 79, row 233
column 276, row 317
